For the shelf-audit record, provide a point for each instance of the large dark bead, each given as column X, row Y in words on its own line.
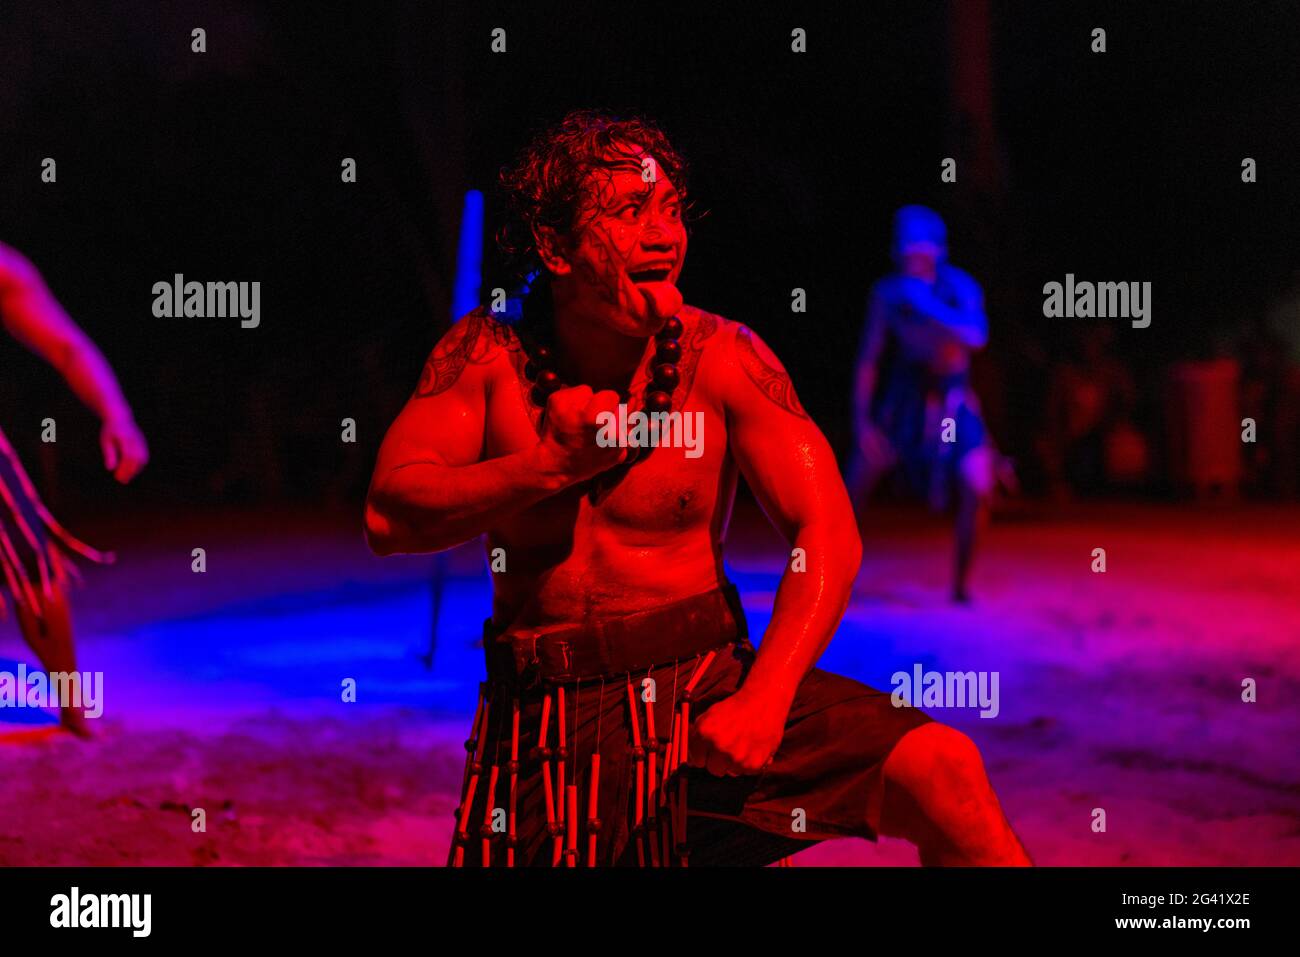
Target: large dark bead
column 542, row 355
column 658, row 401
column 548, row 381
column 669, row 350
column 667, row 376
column 671, row 330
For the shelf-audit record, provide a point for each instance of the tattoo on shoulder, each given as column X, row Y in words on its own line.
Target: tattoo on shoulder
column 470, row 341
column 692, row 343
column 773, row 383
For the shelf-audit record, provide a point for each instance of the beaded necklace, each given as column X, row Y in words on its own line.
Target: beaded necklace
column 665, row 376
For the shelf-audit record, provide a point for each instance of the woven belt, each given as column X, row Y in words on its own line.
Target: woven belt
column 609, row 646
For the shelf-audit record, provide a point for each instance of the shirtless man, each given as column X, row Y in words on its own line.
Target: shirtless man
column 617, row 651
column 33, row 546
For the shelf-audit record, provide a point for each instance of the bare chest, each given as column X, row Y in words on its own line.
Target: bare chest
column 681, row 485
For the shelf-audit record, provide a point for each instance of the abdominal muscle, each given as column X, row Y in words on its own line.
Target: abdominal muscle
column 654, row 538
column 568, row 561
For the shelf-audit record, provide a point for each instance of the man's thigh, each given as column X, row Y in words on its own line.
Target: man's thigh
column 826, row 779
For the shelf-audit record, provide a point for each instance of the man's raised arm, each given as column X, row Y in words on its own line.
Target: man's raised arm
column 432, row 490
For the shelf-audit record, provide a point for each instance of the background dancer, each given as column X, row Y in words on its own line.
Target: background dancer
column 34, row 549
column 922, row 415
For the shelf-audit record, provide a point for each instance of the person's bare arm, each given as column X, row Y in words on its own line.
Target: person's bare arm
column 792, row 471
column 432, row 489
column 33, row 316
column 873, row 342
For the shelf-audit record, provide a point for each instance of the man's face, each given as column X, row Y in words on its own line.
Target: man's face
column 627, row 249
column 919, row 260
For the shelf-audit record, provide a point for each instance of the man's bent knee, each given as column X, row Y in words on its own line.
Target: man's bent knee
column 933, row 756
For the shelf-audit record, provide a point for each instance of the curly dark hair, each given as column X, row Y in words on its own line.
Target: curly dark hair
column 547, row 185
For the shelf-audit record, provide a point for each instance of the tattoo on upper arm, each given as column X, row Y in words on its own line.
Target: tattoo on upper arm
column 773, row 383
column 465, row 344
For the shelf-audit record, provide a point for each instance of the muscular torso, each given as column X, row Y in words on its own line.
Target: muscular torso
column 652, row 538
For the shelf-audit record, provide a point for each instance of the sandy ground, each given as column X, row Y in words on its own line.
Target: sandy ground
column 1118, row 691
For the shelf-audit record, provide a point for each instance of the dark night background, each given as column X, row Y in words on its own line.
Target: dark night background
column 1123, row 166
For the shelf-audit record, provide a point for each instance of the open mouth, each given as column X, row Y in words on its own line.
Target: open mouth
column 650, row 275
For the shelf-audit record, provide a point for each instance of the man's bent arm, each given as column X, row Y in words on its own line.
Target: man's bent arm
column 429, row 506
column 792, row 470
column 431, row 488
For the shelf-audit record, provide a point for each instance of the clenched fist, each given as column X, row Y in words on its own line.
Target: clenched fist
column 569, row 432
column 737, row 736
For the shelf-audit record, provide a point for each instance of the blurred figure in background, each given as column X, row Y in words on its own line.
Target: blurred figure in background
column 34, row 548
column 914, row 406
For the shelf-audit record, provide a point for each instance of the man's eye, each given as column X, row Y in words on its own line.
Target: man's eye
column 675, row 212
column 630, row 207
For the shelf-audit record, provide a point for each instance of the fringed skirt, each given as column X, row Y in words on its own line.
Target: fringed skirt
column 35, row 550
column 592, row 770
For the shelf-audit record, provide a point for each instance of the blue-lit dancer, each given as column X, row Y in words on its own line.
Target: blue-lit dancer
column 914, row 406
